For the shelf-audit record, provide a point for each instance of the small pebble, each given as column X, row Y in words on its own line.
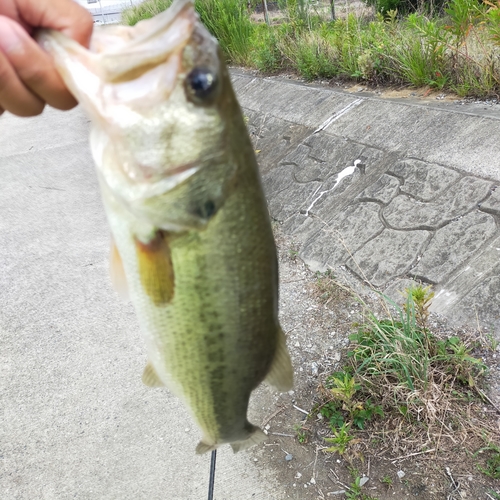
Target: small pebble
column 312, row 481
column 298, row 475
column 255, row 460
column 288, row 457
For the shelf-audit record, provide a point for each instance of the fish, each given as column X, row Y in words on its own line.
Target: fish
column 193, row 246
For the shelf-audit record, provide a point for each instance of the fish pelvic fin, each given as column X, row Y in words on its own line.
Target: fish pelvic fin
column 117, row 272
column 257, row 436
column 150, row 377
column 280, row 375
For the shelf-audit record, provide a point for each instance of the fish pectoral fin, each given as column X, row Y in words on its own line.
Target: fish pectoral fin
column 156, row 269
column 117, row 273
column 256, row 436
column 281, row 373
column 150, row 377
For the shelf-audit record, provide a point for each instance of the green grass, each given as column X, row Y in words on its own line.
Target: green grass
column 402, row 380
column 457, row 52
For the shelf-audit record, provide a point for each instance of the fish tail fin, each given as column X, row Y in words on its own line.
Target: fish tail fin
column 281, row 373
column 256, row 436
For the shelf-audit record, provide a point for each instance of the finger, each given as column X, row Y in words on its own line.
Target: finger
column 14, row 96
column 33, row 66
column 62, row 15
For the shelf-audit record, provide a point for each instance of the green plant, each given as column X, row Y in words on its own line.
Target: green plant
column 456, row 53
column 422, row 298
column 293, row 251
column 341, row 439
column 494, row 494
column 326, row 285
column 387, row 480
column 492, row 468
column 300, row 433
column 493, row 342
column 229, row 22
column 354, row 491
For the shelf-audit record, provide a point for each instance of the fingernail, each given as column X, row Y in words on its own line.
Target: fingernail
column 10, row 40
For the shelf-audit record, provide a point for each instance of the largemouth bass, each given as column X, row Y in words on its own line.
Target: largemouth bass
column 193, row 241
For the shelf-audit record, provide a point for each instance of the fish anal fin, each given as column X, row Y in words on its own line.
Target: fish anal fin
column 256, row 436
column 156, row 269
column 150, row 377
column 117, row 273
column 204, row 447
column 281, row 372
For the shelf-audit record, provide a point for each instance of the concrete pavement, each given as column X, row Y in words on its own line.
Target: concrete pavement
column 75, row 419
column 387, row 190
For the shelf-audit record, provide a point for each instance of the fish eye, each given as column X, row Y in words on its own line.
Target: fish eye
column 201, row 84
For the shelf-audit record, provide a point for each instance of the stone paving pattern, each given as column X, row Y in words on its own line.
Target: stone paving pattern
column 420, row 203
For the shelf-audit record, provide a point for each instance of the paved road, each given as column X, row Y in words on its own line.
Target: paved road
column 75, row 419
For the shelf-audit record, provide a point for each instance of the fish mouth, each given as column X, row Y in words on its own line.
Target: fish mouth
column 126, row 51
column 121, row 53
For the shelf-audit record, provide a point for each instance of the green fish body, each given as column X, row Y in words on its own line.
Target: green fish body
column 194, row 248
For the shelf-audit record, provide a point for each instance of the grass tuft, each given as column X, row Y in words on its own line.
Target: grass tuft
column 407, row 386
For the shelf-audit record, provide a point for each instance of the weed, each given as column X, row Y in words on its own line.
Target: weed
column 421, row 298
column 457, row 52
column 492, row 468
column 300, row 433
column 340, row 389
column 493, row 342
column 326, row 286
column 293, row 252
column 354, row 491
column 387, row 480
column 341, row 439
column 494, row 494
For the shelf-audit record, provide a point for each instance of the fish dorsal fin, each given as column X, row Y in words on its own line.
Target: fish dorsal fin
column 281, row 373
column 150, row 377
column 156, row 269
column 117, row 273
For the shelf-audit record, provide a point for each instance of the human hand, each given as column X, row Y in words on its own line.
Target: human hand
column 28, row 77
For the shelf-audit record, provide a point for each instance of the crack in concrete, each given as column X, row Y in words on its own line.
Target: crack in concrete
column 338, row 114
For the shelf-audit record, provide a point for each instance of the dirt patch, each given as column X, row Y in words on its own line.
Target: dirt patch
column 317, row 318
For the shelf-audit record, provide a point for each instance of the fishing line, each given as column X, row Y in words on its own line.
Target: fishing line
column 212, row 475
